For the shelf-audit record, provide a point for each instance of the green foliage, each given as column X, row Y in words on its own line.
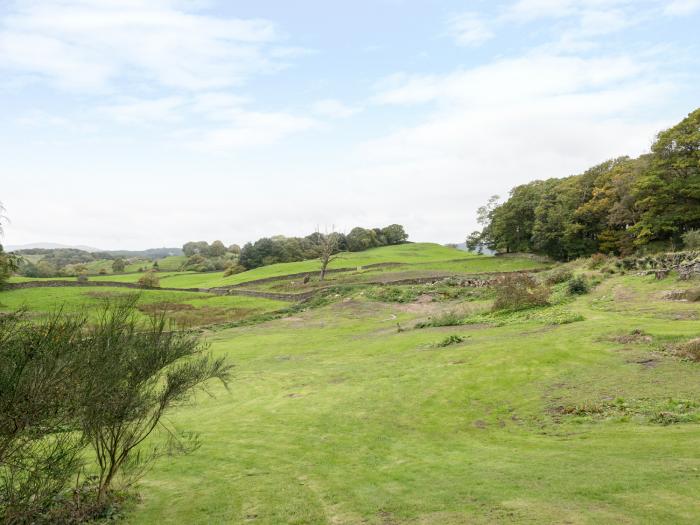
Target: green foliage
column 616, row 207
column 519, row 291
column 39, row 453
column 135, row 377
column 149, row 280
column 450, row 340
column 9, row 264
column 578, row 285
column 267, row 251
column 233, row 270
column 558, row 275
column 691, row 240
column 118, row 265
column 446, row 319
column 549, row 315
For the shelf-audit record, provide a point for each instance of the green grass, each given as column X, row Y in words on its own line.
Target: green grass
column 191, row 308
column 334, row 415
column 419, row 258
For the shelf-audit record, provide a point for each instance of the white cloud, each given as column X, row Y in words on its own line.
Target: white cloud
column 251, row 129
column 145, row 111
column 509, row 122
column 95, row 44
column 469, row 29
column 334, row 108
column 682, row 7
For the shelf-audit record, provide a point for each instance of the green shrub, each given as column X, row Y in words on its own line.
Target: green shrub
column 450, row 340
column 691, row 239
column 446, row 319
column 149, row 280
column 578, row 286
column 597, row 260
column 519, row 291
column 234, row 269
column 558, row 275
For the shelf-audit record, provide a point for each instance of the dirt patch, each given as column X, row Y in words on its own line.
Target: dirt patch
column 636, row 336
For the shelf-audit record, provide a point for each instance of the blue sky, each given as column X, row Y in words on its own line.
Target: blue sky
column 141, row 123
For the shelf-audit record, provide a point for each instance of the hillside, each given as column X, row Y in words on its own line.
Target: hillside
column 344, row 410
column 335, row 417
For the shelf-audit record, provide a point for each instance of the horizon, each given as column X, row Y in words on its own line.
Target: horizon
column 136, row 124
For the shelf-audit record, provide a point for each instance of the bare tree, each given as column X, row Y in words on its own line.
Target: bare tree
column 327, row 250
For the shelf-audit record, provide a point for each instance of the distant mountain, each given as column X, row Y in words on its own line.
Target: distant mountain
column 49, row 246
column 151, row 253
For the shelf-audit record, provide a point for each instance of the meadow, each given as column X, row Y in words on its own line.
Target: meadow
column 344, row 412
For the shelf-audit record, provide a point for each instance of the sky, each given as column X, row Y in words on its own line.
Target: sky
column 129, row 124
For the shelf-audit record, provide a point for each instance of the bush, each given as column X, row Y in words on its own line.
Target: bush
column 103, row 271
column 450, row 340
column 81, row 278
column 446, row 319
column 689, row 350
column 234, row 269
column 692, row 295
column 558, row 275
column 597, row 260
column 691, row 239
column 519, row 291
column 578, row 286
column 149, row 280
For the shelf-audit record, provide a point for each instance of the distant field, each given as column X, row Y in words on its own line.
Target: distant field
column 412, row 257
column 197, row 308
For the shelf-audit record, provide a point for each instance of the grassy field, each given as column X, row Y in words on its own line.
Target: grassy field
column 335, row 416
column 412, row 257
column 187, row 308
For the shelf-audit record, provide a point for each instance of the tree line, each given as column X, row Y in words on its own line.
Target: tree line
column 279, row 249
column 622, row 206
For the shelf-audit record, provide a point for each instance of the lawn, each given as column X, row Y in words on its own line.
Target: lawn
column 335, row 417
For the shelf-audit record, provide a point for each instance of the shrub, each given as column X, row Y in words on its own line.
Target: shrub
column 234, row 269
column 103, row 271
column 578, row 286
column 689, row 350
column 450, row 340
column 149, row 280
column 446, row 319
column 597, row 260
column 692, row 295
column 558, row 275
column 82, row 278
column 691, row 239
column 135, row 376
column 519, row 291
column 38, row 363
